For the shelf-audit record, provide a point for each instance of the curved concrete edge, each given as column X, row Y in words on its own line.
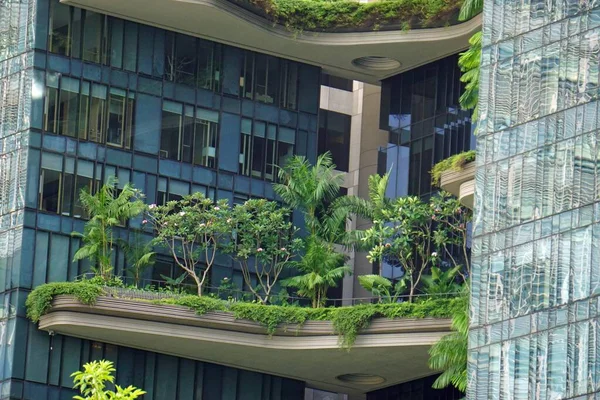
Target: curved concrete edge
column 64, row 321
column 451, row 180
column 333, row 51
column 467, row 193
column 225, row 321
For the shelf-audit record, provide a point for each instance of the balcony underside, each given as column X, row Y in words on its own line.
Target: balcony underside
column 225, row 22
column 395, row 350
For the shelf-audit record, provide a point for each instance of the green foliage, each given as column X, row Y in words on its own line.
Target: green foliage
column 383, row 287
column 322, row 268
column 320, row 15
column 450, row 353
column 40, row 299
column 107, row 210
column 138, row 255
column 193, row 230
column 452, row 163
column 347, row 321
column 442, row 282
column 263, row 243
column 411, row 232
column 92, row 381
column 468, row 63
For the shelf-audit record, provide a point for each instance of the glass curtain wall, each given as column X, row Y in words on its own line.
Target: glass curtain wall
column 535, row 331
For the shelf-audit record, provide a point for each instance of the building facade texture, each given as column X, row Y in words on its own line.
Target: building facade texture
column 535, row 330
column 84, row 97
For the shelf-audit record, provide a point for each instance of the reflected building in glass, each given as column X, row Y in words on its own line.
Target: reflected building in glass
column 536, row 256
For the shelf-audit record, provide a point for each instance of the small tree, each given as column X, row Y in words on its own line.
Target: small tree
column 106, row 210
column 451, row 231
column 193, row 230
column 91, row 382
column 322, row 266
column 262, row 243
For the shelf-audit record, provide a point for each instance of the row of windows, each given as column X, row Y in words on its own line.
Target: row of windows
column 88, row 111
column 184, row 59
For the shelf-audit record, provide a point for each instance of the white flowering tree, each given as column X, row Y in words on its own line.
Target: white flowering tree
column 193, row 229
column 262, row 244
column 420, row 236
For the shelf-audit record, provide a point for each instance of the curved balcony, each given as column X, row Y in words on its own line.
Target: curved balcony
column 388, row 352
column 460, row 183
column 370, row 48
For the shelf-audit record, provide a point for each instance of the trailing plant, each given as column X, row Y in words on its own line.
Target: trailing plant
column 39, row 300
column 383, row 288
column 449, row 355
column 452, row 163
column 322, row 268
column 193, row 230
column 107, row 208
column 318, row 15
column 91, row 382
column 347, row 321
column 262, row 243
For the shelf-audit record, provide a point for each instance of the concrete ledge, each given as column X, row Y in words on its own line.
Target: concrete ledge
column 394, row 349
column 456, row 182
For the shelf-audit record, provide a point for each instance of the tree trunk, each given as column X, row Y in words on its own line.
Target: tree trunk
column 411, row 293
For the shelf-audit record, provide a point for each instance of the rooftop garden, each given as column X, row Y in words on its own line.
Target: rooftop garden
column 351, row 15
column 452, row 163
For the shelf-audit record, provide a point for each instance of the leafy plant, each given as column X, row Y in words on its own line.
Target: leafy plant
column 468, row 63
column 107, row 209
column 193, row 229
column 174, row 283
column 452, row 163
column 442, row 282
column 318, row 15
column 383, row 287
column 322, row 268
column 263, row 244
column 39, row 300
column 92, row 381
column 449, row 355
column 138, row 255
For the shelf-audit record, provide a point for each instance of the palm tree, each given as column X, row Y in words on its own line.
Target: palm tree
column 107, row 210
column 469, row 9
column 138, row 254
column 311, row 189
column 450, row 353
column 322, row 266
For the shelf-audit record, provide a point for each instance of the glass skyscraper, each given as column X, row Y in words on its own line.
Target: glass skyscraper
column 536, row 251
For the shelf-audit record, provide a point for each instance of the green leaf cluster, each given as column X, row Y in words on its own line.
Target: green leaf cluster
column 347, row 321
column 91, row 382
column 40, row 299
column 452, row 163
column 328, row 15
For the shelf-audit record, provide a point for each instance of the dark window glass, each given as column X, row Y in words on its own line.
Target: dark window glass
column 246, row 78
column 97, row 114
column 84, row 111
column 130, row 46
column 120, row 118
column 60, row 29
column 93, row 38
column 76, row 28
column 205, row 138
column 68, row 182
column 50, row 190
column 51, row 105
column 261, row 150
column 68, row 107
column 170, row 133
column 266, row 81
column 81, row 183
column 334, row 136
column 336, row 82
column 289, row 85
column 180, row 58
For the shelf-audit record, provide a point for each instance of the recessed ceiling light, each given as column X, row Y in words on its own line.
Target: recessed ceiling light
column 361, row 379
column 376, row 63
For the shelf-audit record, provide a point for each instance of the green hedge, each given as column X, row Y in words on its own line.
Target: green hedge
column 452, row 163
column 331, row 15
column 347, row 321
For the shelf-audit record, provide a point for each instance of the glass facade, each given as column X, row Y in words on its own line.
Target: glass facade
column 420, row 110
column 84, row 97
column 535, row 330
